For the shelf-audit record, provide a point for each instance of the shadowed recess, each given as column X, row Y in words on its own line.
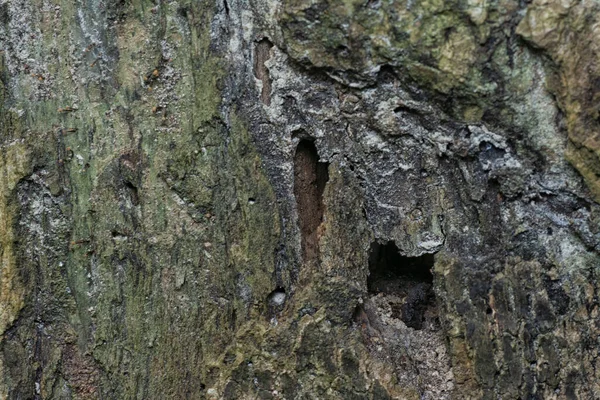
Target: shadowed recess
column 262, row 52
column 408, row 278
column 310, row 177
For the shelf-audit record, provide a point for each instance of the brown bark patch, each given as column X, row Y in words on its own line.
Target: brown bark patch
column 81, row 373
column 262, row 52
column 310, row 177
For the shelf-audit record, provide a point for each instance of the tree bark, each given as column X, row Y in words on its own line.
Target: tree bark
column 290, row 199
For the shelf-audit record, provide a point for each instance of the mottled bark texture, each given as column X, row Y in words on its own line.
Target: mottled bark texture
column 299, row 199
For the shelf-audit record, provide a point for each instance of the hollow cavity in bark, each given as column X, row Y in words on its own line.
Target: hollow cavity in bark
column 262, row 52
column 405, row 281
column 310, row 177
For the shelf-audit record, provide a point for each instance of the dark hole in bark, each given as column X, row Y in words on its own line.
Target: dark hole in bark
column 133, row 192
column 448, row 32
column 262, row 52
column 342, row 50
column 310, row 177
column 226, row 6
column 385, row 261
column 401, row 277
column 402, row 109
column 232, row 323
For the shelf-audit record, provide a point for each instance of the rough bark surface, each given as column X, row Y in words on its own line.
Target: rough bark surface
column 299, row 199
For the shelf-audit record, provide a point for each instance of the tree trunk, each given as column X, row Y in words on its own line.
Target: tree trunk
column 299, row 199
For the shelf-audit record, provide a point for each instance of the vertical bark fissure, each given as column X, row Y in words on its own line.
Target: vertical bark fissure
column 310, row 177
column 262, row 54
